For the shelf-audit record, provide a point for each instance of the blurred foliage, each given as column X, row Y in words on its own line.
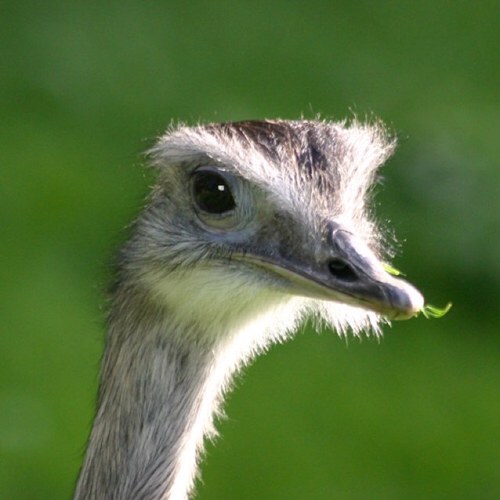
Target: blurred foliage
column 86, row 87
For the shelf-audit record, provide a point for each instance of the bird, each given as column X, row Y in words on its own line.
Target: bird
column 250, row 228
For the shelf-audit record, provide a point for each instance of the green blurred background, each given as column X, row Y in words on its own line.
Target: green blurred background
column 84, row 89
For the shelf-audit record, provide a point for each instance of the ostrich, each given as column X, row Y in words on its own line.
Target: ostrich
column 250, row 227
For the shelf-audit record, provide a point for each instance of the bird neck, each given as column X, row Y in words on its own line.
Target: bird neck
column 156, row 402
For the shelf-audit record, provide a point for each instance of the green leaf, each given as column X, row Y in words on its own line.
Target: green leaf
column 430, row 311
column 391, row 270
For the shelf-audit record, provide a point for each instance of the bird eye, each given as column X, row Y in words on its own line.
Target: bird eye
column 211, row 193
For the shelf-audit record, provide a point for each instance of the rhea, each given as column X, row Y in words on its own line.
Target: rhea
column 251, row 227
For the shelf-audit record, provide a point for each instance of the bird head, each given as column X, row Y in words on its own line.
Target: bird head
column 269, row 216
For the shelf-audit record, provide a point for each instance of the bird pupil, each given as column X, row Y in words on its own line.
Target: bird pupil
column 211, row 193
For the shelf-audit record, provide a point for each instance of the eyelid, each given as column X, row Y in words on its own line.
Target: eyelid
column 211, row 168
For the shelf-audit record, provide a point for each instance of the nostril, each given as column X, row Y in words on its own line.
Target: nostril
column 341, row 270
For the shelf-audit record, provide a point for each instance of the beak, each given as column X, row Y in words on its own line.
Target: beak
column 343, row 269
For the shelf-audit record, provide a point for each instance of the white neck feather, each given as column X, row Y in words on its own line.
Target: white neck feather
column 161, row 385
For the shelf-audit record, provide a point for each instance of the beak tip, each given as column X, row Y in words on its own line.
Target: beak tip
column 411, row 303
